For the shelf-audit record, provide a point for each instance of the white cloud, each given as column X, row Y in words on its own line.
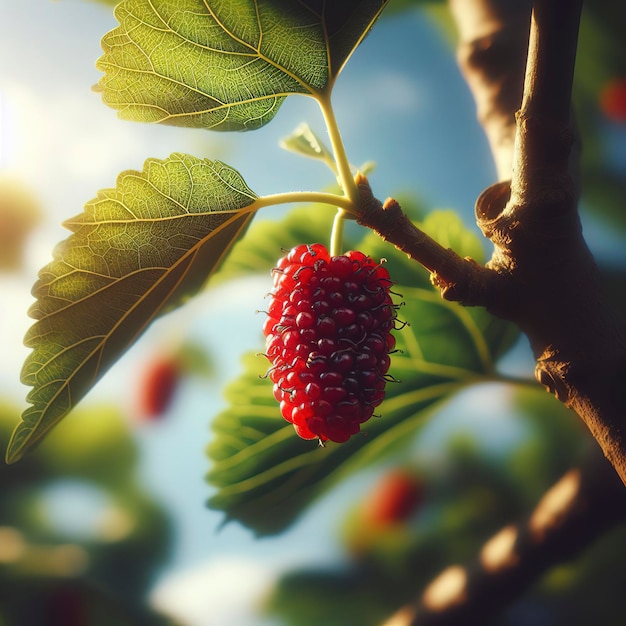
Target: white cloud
column 222, row 592
column 396, row 92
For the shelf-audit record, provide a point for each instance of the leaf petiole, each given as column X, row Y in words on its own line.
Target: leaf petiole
column 346, row 180
column 318, row 197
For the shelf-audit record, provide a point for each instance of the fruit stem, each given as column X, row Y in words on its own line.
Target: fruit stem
column 346, row 180
column 336, row 234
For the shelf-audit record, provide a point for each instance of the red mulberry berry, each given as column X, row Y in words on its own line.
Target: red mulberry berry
column 392, row 501
column 613, row 100
column 158, row 386
column 328, row 337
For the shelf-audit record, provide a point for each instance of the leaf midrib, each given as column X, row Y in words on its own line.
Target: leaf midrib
column 255, row 51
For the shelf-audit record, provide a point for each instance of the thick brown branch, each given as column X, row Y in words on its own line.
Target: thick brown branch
column 578, row 341
column 550, row 65
column 585, row 503
column 549, row 285
column 541, row 274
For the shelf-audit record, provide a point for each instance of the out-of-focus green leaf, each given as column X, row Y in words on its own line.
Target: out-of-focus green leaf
column 604, row 194
column 226, row 64
column 81, row 447
column 265, row 475
column 137, row 251
column 110, row 550
column 558, row 441
column 305, row 142
column 601, row 58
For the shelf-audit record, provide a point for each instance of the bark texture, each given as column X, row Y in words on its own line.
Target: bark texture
column 541, row 275
column 585, row 503
column 518, row 59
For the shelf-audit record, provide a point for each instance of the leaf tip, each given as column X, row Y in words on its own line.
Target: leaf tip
column 14, row 452
column 22, row 440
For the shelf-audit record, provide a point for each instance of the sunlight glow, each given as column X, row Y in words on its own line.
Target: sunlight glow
column 555, row 505
column 499, row 552
column 448, row 589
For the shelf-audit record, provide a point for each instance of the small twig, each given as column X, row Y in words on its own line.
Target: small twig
column 459, row 279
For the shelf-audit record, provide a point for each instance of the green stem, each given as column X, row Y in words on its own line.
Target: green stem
column 336, row 235
column 346, row 179
column 302, row 196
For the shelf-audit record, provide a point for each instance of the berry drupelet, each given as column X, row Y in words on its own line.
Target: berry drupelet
column 328, row 337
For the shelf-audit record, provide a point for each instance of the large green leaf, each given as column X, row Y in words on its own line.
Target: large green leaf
column 226, row 64
column 137, row 250
column 265, row 475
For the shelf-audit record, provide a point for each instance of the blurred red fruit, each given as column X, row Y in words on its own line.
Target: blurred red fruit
column 395, row 497
column 158, row 386
column 613, row 100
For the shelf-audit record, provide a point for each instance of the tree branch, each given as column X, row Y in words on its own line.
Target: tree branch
column 492, row 50
column 462, row 280
column 585, row 503
column 541, row 275
column 578, row 340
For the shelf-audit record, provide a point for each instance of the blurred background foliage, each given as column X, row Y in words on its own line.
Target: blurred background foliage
column 437, row 514
column 80, row 540
column 426, row 508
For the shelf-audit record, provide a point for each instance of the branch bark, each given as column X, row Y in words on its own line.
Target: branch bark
column 578, row 340
column 541, row 275
column 585, row 503
column 491, row 53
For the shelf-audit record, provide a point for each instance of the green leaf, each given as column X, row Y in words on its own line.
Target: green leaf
column 226, row 64
column 305, row 142
column 137, row 251
column 265, row 475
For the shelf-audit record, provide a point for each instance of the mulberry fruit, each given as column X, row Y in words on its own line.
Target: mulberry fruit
column 328, row 338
